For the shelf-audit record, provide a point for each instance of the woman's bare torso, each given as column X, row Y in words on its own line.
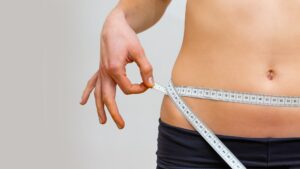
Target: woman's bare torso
column 251, row 46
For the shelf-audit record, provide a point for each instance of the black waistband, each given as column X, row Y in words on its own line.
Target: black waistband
column 184, row 147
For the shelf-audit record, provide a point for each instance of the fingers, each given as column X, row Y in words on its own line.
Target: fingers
column 99, row 101
column 118, row 72
column 88, row 89
column 138, row 55
column 119, row 75
column 108, row 96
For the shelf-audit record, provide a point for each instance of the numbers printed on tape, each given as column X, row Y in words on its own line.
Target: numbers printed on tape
column 215, row 94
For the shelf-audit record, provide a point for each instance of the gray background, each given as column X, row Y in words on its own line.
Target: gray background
column 49, row 49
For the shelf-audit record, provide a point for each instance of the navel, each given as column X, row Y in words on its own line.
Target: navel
column 270, row 74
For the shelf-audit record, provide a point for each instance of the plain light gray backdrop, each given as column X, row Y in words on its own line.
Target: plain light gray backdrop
column 49, row 49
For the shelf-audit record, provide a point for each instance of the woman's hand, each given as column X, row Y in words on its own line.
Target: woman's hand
column 119, row 46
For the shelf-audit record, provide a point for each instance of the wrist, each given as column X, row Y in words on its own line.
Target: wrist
column 115, row 18
column 133, row 16
column 119, row 14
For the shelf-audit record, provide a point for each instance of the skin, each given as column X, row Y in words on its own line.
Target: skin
column 248, row 46
column 119, row 45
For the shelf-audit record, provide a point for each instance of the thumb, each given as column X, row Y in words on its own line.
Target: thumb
column 144, row 65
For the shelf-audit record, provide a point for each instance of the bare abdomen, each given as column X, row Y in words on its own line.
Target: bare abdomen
column 254, row 55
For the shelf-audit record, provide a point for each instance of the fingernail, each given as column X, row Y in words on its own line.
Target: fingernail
column 118, row 126
column 151, row 81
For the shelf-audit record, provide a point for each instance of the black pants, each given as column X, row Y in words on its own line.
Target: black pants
column 180, row 148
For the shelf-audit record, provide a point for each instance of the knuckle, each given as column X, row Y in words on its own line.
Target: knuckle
column 147, row 68
column 127, row 91
column 139, row 51
column 136, row 50
column 113, row 67
column 136, row 46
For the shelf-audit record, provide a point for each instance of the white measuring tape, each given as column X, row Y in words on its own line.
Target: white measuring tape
column 201, row 127
column 223, row 95
column 234, row 96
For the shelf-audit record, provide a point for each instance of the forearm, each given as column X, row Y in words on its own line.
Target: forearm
column 142, row 14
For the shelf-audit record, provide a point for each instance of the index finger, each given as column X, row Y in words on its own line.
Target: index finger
column 126, row 85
